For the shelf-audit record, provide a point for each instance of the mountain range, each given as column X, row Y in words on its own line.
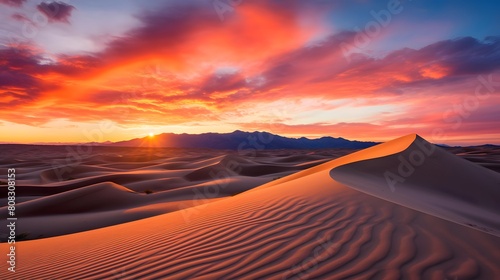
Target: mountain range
column 240, row 140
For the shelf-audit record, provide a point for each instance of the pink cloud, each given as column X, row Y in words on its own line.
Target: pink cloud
column 13, row 3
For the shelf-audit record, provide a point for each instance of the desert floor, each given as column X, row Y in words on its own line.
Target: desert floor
column 151, row 213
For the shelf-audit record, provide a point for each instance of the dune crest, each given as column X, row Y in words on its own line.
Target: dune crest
column 427, row 178
column 94, row 198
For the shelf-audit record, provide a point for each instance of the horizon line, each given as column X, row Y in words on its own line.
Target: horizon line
column 108, row 142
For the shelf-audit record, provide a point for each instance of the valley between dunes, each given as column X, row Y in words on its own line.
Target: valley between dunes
column 273, row 215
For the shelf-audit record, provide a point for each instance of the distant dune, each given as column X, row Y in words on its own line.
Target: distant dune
column 334, row 219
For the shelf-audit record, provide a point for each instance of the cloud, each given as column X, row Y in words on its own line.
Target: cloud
column 18, row 67
column 21, row 18
column 26, row 79
column 222, row 82
column 56, row 11
column 440, row 63
column 13, row 3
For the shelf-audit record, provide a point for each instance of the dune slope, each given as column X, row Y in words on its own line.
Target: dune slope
column 429, row 179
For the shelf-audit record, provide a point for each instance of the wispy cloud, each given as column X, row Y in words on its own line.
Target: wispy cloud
column 14, row 3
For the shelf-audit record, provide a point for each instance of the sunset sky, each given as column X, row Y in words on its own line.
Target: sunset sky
column 84, row 71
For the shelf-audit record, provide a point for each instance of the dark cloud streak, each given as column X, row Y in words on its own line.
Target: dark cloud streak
column 56, row 11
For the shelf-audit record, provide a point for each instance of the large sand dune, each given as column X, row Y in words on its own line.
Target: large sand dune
column 307, row 225
column 431, row 180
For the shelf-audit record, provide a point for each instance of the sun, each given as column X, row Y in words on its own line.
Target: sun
column 151, row 135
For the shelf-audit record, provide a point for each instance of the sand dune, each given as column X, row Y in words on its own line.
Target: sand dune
column 93, row 198
column 429, row 179
column 302, row 226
